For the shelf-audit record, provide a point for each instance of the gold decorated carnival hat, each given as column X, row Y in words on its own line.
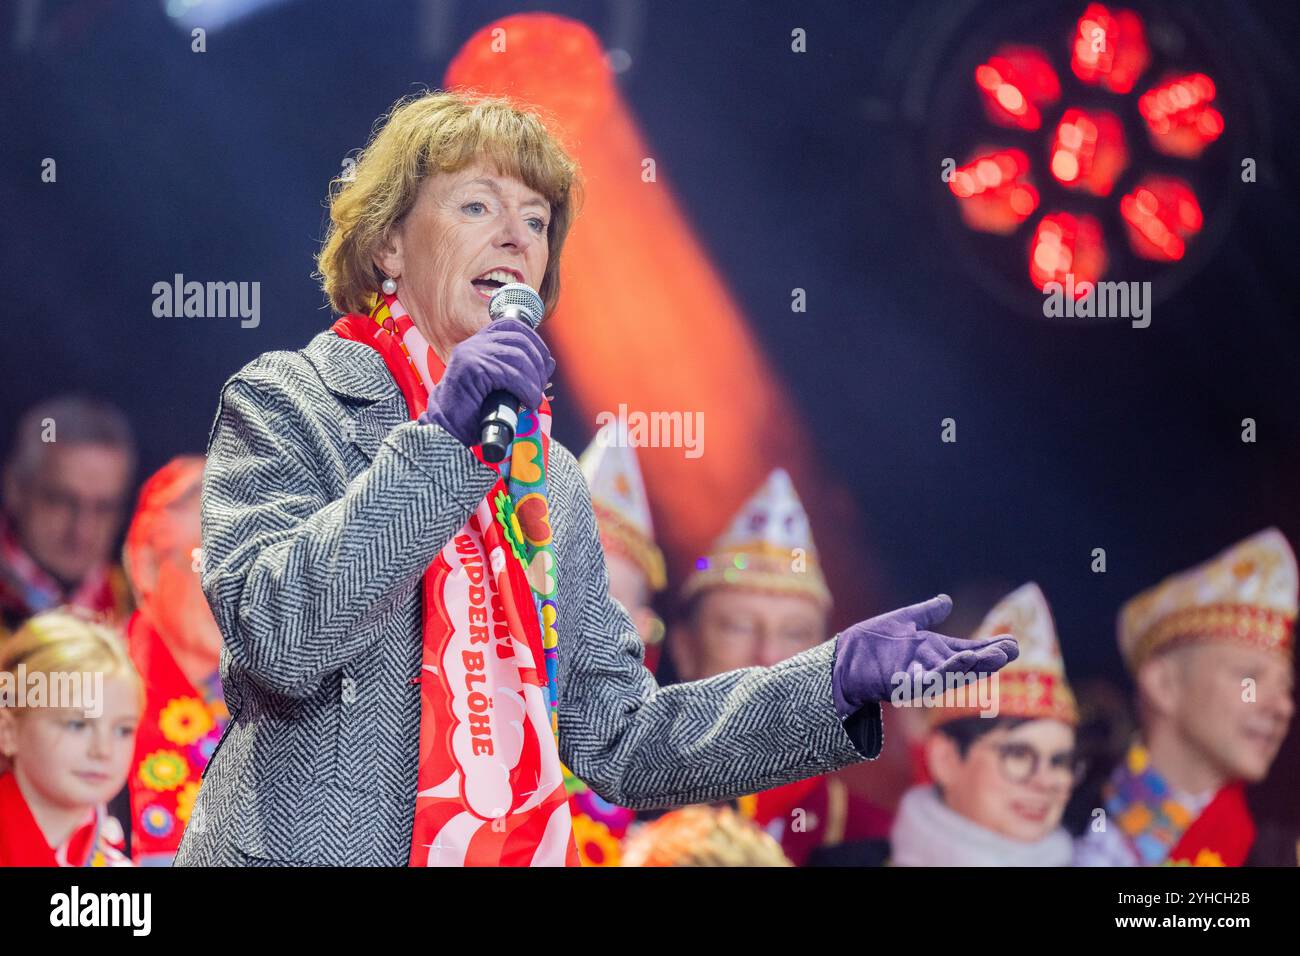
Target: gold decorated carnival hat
column 1245, row 595
column 618, row 497
column 768, row 547
column 1034, row 684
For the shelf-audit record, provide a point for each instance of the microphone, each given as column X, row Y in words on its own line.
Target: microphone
column 500, row 413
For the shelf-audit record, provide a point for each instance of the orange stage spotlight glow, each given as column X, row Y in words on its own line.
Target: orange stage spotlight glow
column 645, row 320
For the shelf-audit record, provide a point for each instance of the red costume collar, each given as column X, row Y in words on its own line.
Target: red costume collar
column 21, row 841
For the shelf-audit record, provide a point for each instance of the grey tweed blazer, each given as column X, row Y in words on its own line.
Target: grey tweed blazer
column 322, row 505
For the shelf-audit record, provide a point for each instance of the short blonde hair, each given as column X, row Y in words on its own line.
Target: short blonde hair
column 66, row 640
column 428, row 133
column 702, row 836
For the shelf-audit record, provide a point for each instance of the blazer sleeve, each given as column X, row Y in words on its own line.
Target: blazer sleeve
column 642, row 746
column 299, row 580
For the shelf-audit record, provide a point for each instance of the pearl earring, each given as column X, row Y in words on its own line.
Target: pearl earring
column 389, row 286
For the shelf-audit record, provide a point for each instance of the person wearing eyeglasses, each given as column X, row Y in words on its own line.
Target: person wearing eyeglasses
column 66, row 480
column 1001, row 754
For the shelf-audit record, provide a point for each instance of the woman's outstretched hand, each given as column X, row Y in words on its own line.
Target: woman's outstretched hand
column 506, row 355
column 872, row 655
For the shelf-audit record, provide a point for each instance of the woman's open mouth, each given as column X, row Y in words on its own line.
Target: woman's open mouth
column 487, row 284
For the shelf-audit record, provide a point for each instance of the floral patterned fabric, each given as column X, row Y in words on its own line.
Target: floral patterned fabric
column 178, row 733
column 599, row 827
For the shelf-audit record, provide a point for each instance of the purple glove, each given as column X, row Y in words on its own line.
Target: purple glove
column 870, row 653
column 505, row 355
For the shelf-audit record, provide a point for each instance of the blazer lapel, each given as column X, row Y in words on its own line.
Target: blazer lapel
column 374, row 422
column 355, row 373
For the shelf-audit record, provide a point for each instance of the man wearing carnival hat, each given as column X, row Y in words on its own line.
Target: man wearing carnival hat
column 757, row 599
column 1001, row 755
column 1210, row 650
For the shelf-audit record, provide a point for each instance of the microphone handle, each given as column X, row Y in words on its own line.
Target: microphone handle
column 497, row 421
column 500, row 414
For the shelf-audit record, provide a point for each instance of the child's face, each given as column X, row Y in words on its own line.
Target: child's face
column 71, row 760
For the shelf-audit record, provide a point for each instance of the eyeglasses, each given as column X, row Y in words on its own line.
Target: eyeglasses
column 1019, row 763
column 73, row 506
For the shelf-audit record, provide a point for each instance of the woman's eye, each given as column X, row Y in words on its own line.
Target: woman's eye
column 75, row 724
column 470, row 206
column 539, row 227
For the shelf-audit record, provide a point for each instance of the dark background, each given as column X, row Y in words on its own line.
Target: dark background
column 818, row 170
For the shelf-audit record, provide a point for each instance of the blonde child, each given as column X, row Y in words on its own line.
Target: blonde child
column 70, row 702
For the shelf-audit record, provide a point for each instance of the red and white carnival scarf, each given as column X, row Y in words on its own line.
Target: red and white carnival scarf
column 491, row 787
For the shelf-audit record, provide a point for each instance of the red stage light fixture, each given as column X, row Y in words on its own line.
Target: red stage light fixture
column 1089, row 153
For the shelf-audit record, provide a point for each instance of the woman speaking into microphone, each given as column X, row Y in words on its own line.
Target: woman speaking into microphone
column 416, row 639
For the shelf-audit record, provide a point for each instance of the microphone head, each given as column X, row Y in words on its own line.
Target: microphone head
column 521, row 301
